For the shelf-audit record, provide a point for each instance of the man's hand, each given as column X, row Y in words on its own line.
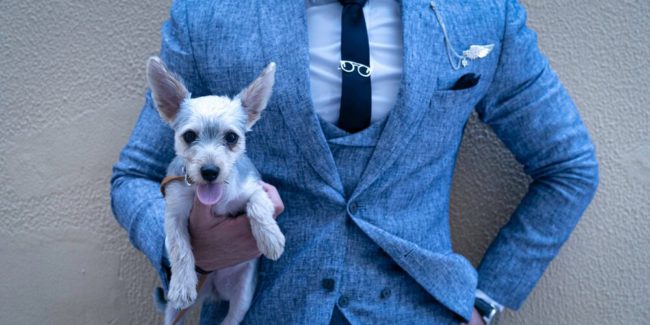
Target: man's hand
column 476, row 319
column 218, row 241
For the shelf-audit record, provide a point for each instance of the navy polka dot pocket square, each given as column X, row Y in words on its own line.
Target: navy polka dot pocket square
column 466, row 81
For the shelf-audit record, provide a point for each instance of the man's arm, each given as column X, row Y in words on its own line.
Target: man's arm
column 135, row 195
column 532, row 113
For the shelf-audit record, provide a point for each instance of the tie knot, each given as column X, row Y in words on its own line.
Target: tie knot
column 353, row 2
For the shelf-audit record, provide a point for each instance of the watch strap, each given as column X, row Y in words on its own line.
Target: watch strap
column 486, row 310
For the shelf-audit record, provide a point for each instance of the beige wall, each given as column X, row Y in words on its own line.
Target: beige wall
column 71, row 87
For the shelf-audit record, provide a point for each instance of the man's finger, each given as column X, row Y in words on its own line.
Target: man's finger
column 273, row 194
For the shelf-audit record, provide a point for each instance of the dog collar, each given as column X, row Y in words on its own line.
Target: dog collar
column 169, row 179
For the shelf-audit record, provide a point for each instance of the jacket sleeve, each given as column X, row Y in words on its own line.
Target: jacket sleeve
column 532, row 113
column 136, row 200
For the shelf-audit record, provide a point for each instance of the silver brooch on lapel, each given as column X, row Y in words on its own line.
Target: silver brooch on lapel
column 456, row 60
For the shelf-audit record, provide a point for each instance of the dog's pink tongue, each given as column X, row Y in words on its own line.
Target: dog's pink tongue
column 209, row 194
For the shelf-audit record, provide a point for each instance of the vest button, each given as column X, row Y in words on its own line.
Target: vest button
column 354, row 207
column 344, row 301
column 328, row 284
column 385, row 293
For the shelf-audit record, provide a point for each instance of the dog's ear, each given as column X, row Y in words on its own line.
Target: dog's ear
column 168, row 91
column 255, row 97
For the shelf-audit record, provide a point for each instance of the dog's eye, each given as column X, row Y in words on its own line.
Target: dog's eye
column 189, row 136
column 231, row 138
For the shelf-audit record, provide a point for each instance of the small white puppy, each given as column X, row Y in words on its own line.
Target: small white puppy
column 209, row 140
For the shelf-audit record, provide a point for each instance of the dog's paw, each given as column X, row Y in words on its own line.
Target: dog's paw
column 182, row 291
column 270, row 240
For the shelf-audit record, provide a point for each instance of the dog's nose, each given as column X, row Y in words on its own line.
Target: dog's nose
column 209, row 172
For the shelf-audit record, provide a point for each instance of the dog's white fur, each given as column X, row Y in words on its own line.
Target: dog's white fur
column 210, row 117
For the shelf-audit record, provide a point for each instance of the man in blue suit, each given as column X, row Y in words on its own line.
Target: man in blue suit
column 360, row 139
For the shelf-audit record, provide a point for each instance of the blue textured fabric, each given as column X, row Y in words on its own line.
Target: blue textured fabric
column 393, row 207
column 372, row 284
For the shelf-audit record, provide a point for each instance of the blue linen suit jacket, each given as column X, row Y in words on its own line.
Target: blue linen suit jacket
column 401, row 201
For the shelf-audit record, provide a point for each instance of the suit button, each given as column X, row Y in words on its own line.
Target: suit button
column 354, row 207
column 385, row 293
column 328, row 284
column 344, row 301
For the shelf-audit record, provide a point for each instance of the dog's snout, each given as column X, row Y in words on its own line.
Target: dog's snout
column 209, row 172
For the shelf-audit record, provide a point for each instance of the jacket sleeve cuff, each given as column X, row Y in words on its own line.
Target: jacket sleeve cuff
column 144, row 220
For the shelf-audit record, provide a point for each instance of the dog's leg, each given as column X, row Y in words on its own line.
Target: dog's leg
column 182, row 286
column 175, row 316
column 171, row 315
column 270, row 240
column 237, row 284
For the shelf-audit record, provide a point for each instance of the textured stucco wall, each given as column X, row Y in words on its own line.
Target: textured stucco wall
column 71, row 87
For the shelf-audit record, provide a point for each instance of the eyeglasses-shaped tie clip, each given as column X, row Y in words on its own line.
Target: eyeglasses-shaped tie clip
column 350, row 66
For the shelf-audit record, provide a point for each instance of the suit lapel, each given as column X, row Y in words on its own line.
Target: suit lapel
column 283, row 28
column 423, row 43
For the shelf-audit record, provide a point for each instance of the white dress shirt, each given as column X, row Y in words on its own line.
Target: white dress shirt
column 384, row 25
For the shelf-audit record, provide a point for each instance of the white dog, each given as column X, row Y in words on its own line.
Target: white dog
column 210, row 149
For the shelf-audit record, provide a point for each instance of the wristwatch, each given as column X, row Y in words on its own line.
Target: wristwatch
column 486, row 310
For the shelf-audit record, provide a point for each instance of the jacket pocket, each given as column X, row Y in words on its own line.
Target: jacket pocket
column 445, row 98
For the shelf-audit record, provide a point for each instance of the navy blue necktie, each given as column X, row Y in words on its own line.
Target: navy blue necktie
column 356, row 102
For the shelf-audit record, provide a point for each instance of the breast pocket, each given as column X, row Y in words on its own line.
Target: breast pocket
column 458, row 101
column 444, row 98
